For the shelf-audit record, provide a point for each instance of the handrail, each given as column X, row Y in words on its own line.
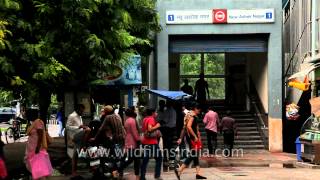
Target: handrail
column 258, row 112
column 296, row 48
column 262, row 127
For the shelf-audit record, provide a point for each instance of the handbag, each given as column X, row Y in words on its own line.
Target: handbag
column 196, row 145
column 153, row 134
column 40, row 165
column 3, row 169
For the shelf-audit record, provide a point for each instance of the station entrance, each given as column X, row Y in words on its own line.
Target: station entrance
column 236, row 70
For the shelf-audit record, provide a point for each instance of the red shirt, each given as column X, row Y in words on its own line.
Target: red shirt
column 148, row 121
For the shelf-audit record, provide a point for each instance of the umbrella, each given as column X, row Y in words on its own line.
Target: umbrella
column 172, row 95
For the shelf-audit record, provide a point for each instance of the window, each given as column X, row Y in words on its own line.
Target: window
column 214, row 64
column 213, row 67
column 190, row 64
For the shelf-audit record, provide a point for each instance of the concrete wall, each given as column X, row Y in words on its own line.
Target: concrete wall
column 174, row 72
column 258, row 70
column 274, row 48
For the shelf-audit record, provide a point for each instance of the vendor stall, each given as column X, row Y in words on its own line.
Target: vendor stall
column 310, row 135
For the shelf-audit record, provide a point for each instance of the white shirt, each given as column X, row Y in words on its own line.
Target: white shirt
column 72, row 126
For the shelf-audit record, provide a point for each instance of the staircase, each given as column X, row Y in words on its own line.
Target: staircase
column 248, row 133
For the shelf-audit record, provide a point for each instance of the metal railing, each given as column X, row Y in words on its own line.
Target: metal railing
column 318, row 34
column 296, row 34
column 258, row 111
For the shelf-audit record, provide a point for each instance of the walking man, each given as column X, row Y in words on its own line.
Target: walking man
column 201, row 90
column 229, row 130
column 168, row 128
column 211, row 120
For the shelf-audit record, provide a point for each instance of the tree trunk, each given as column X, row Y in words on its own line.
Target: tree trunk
column 44, row 103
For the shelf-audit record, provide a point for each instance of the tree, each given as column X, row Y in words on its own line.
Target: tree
column 52, row 43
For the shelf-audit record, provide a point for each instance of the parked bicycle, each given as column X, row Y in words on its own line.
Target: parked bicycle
column 16, row 131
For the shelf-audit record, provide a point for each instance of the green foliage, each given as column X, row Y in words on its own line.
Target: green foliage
column 54, row 105
column 3, row 33
column 45, row 44
column 5, row 97
column 190, row 64
column 5, row 65
column 9, row 4
column 214, row 64
column 50, row 71
column 216, row 88
column 17, row 81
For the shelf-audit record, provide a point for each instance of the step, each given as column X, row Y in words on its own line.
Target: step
column 246, row 128
column 244, row 119
column 249, row 133
column 241, row 115
column 260, row 146
column 243, row 137
column 234, row 111
column 247, row 147
column 238, row 138
column 246, row 124
column 258, row 141
column 243, row 133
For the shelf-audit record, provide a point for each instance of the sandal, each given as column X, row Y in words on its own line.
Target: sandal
column 177, row 173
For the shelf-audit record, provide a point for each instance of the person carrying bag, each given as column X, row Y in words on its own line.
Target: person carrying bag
column 194, row 139
column 36, row 156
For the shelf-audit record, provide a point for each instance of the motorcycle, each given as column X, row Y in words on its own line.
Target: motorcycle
column 101, row 156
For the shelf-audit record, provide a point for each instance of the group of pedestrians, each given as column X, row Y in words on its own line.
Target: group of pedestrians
column 226, row 126
column 133, row 136
column 125, row 134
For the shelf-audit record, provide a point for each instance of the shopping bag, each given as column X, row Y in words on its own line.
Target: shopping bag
column 3, row 169
column 292, row 111
column 303, row 86
column 40, row 165
column 196, row 145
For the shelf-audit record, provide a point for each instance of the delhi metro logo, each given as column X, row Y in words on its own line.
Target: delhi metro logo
column 219, row 15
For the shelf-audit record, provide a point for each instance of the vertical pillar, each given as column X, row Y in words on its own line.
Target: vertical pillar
column 313, row 27
column 275, row 92
column 163, row 61
column 151, row 79
column 130, row 97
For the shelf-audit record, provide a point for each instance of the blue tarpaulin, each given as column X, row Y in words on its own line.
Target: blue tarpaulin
column 173, row 95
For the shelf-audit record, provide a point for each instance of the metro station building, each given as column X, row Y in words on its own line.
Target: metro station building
column 236, row 44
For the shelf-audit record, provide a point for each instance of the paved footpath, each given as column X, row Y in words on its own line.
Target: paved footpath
column 233, row 173
column 260, row 165
column 253, row 165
